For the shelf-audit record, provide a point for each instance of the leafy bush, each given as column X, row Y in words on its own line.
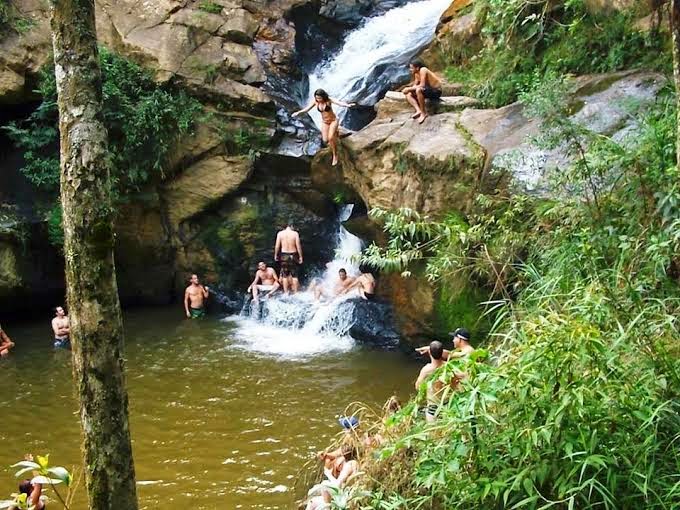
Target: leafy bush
column 144, row 121
column 525, row 37
column 580, row 405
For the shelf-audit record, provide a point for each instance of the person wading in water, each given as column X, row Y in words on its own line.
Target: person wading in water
column 329, row 126
column 194, row 298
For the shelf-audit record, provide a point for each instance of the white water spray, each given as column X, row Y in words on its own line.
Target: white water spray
column 371, row 54
column 298, row 325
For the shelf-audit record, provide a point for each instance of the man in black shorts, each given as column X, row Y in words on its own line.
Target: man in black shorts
column 425, row 85
column 288, row 251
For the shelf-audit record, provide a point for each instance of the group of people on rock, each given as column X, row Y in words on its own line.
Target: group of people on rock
column 424, row 85
column 61, row 329
column 340, row 464
column 288, row 252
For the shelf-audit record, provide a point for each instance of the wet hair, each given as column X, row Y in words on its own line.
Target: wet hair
column 417, row 63
column 365, row 268
column 349, row 451
column 436, row 349
column 322, row 94
column 261, row 262
column 342, row 270
column 57, row 307
column 290, row 223
column 26, row 487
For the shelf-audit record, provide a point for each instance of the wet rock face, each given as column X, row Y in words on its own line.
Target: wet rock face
column 226, row 238
column 373, row 323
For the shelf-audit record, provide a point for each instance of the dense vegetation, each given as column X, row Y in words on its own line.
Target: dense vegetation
column 521, row 39
column 578, row 403
column 144, row 120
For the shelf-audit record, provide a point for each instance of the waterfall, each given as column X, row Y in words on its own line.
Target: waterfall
column 375, row 55
column 297, row 324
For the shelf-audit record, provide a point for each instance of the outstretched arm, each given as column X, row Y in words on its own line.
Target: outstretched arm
column 426, row 348
column 342, row 103
column 352, row 285
column 304, row 110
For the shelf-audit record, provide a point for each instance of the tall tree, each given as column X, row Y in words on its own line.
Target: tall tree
column 96, row 322
column 675, row 29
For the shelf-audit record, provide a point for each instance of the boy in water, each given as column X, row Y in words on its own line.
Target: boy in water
column 425, row 85
column 195, row 297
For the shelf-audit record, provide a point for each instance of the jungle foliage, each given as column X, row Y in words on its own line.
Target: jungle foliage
column 144, row 121
column 579, row 405
column 522, row 38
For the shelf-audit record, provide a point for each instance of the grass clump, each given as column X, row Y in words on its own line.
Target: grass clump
column 211, row 7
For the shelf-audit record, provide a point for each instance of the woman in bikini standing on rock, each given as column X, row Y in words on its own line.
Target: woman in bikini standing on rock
column 329, row 126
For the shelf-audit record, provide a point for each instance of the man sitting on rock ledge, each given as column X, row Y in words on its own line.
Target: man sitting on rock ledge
column 425, row 85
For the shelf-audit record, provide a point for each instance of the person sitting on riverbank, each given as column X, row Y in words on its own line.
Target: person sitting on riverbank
column 288, row 252
column 6, row 343
column 425, row 85
column 461, row 345
column 266, row 280
column 329, row 121
column 61, row 328
column 364, row 283
column 195, row 296
column 339, row 466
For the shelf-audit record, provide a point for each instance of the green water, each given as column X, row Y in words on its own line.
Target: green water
column 215, row 425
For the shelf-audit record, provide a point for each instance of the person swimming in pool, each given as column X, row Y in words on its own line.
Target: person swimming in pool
column 329, row 127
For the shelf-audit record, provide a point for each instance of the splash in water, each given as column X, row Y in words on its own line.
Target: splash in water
column 299, row 325
column 376, row 54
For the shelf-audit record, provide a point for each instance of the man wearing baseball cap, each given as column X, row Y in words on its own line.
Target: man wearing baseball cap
column 461, row 345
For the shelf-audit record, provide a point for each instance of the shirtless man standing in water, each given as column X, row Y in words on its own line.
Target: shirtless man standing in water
column 194, row 299
column 265, row 281
column 425, row 85
column 61, row 328
column 288, row 251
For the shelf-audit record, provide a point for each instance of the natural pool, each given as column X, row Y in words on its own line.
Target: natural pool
column 224, row 414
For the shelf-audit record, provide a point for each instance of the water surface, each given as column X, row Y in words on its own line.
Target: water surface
column 219, row 418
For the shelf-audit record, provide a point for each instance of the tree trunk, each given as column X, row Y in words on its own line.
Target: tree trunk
column 675, row 30
column 96, row 323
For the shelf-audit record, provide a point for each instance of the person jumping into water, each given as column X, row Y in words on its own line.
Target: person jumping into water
column 288, row 251
column 329, row 126
column 425, row 85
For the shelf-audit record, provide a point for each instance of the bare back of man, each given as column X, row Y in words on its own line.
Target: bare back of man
column 288, row 250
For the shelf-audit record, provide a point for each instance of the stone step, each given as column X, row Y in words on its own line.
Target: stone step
column 395, row 103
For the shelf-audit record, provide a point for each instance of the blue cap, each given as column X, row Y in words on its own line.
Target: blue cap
column 349, row 422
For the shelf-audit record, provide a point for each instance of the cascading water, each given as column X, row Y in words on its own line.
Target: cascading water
column 375, row 55
column 297, row 324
